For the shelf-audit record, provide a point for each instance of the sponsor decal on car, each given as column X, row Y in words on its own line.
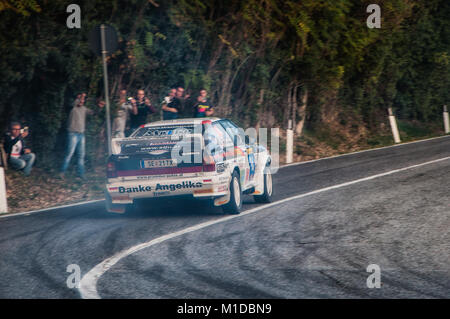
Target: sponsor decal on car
column 222, row 188
column 252, row 165
column 161, row 193
column 173, row 187
column 137, row 189
column 157, row 176
column 159, row 187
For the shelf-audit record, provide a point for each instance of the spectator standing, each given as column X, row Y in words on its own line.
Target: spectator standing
column 179, row 102
column 20, row 156
column 170, row 112
column 76, row 139
column 144, row 107
column 203, row 106
column 125, row 107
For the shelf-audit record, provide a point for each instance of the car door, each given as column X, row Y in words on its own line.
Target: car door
column 219, row 144
column 245, row 150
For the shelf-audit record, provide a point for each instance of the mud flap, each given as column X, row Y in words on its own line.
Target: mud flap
column 259, row 179
column 113, row 208
column 259, row 176
column 222, row 200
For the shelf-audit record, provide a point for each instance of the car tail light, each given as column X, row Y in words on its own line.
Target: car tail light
column 209, row 165
column 111, row 170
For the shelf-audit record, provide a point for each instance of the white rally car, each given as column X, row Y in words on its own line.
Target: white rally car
column 206, row 158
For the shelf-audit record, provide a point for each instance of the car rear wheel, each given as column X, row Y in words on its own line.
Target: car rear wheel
column 268, row 188
column 234, row 206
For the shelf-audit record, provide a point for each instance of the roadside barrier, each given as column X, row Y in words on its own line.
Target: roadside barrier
column 3, row 203
column 394, row 127
column 289, row 143
column 446, row 121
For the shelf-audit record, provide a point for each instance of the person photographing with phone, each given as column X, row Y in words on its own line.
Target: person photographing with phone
column 144, row 107
column 20, row 156
column 170, row 106
column 125, row 107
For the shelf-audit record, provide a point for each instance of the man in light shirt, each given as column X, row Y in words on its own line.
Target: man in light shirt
column 20, row 156
column 76, row 139
column 124, row 108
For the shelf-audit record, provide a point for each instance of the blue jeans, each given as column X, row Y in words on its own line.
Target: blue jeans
column 24, row 162
column 75, row 141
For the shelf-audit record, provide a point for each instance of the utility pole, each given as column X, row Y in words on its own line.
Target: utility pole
column 105, row 81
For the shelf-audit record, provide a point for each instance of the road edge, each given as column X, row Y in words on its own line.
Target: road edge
column 3, row 215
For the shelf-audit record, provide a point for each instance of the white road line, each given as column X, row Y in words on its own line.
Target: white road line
column 364, row 151
column 88, row 284
column 51, row 208
column 282, row 166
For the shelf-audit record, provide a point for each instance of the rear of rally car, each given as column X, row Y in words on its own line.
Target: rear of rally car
column 163, row 160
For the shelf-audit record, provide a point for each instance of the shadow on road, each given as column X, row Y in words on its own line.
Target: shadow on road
column 167, row 208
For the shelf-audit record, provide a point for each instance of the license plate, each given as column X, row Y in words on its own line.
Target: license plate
column 158, row 163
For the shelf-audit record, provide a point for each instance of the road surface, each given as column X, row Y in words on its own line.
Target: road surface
column 330, row 220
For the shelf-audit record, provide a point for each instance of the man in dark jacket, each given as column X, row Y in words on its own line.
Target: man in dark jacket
column 144, row 107
column 19, row 156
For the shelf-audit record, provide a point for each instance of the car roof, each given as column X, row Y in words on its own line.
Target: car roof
column 192, row 121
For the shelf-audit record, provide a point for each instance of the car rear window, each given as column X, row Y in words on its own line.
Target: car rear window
column 172, row 131
column 163, row 141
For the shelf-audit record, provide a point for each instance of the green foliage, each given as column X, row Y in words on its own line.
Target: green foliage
column 22, row 7
column 247, row 54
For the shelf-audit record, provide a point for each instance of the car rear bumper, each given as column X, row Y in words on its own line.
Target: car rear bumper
column 125, row 192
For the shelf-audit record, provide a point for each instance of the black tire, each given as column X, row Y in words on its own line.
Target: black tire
column 234, row 206
column 268, row 188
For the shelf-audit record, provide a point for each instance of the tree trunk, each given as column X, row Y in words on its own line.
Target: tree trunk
column 289, row 105
column 260, row 108
column 302, row 113
column 224, row 97
column 294, row 105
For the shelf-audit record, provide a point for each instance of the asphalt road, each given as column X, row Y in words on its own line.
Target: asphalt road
column 315, row 246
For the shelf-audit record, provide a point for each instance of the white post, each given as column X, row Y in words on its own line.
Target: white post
column 394, row 126
column 3, row 204
column 289, row 143
column 446, row 121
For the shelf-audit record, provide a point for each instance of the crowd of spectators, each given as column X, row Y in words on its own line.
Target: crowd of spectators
column 128, row 113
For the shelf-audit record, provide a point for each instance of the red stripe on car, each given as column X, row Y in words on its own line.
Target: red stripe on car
column 160, row 171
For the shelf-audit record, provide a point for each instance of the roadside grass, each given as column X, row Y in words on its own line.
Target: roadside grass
column 414, row 130
column 380, row 141
column 332, row 138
